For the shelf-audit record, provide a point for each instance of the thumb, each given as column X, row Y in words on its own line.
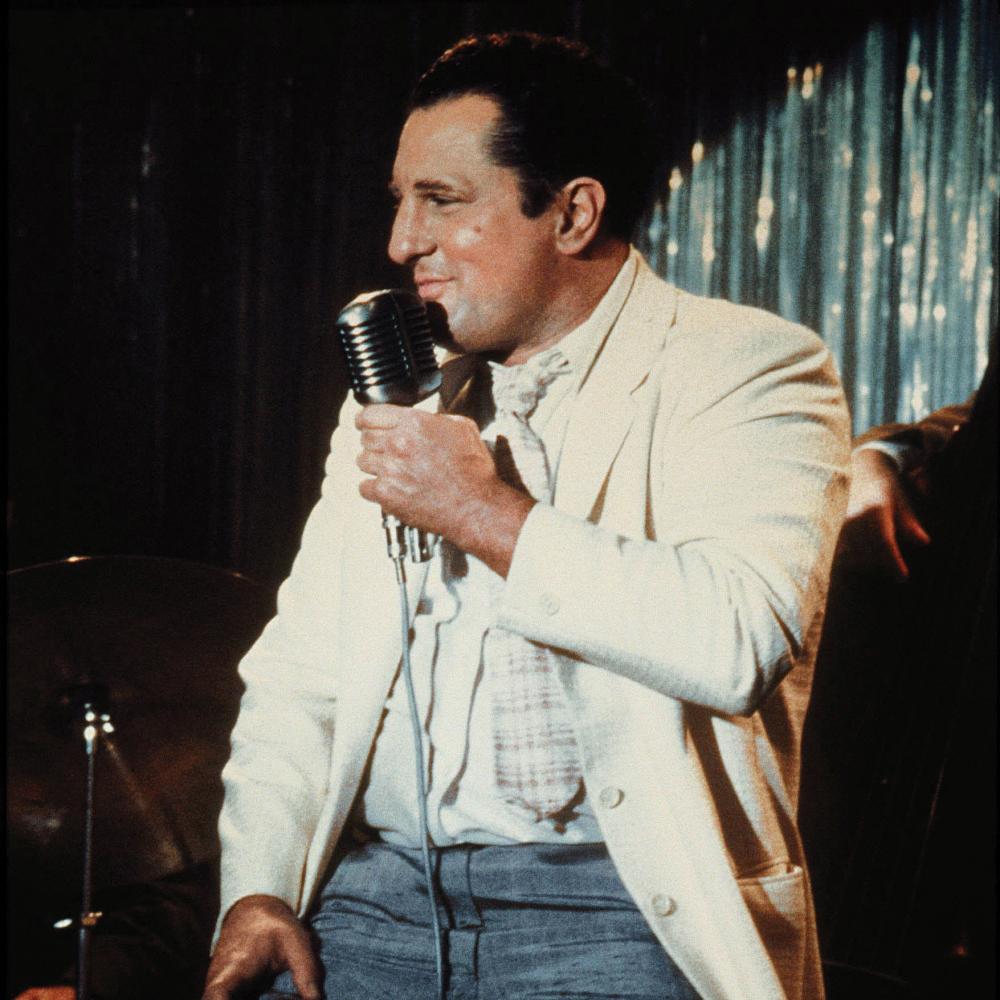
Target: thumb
column 303, row 966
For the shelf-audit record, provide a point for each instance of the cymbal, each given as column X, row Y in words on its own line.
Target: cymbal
column 155, row 644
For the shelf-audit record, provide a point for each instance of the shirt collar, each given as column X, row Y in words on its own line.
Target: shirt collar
column 583, row 343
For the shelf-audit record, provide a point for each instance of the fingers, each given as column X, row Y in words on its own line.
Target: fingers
column 261, row 936
column 303, row 966
column 383, row 416
column 868, row 544
column 374, row 440
column 905, row 531
column 911, row 531
column 894, row 561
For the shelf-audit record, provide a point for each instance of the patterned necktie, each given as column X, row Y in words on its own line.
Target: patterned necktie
column 535, row 752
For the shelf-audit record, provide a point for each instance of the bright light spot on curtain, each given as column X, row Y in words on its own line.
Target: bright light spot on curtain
column 898, row 271
column 918, row 395
column 807, row 83
column 707, row 250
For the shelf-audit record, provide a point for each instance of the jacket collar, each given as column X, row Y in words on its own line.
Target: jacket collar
column 603, row 410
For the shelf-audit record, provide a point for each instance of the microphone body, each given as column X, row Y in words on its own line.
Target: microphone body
column 387, row 343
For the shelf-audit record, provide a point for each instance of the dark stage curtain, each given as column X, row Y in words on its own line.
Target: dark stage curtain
column 193, row 194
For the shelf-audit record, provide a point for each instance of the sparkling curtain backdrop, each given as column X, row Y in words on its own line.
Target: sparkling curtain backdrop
column 863, row 204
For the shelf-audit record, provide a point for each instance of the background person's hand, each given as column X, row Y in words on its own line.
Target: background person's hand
column 880, row 524
column 261, row 937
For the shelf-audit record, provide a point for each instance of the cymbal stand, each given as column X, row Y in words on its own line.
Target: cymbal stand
column 95, row 722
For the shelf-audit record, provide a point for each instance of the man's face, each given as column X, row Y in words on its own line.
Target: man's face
column 460, row 227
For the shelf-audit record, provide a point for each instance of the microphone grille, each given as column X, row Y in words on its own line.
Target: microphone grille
column 387, row 343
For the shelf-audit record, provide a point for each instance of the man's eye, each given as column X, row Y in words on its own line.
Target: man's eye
column 441, row 200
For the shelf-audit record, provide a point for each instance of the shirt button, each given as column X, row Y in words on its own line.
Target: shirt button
column 550, row 604
column 663, row 905
column 610, row 797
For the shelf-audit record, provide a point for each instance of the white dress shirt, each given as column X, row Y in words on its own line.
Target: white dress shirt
column 452, row 617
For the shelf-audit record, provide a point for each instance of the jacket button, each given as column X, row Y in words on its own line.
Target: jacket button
column 663, row 905
column 610, row 797
column 550, row 604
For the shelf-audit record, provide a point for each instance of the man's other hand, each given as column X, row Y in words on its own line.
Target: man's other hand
column 48, row 993
column 261, row 936
column 880, row 524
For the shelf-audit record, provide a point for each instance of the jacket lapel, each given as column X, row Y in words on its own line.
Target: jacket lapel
column 604, row 409
column 456, row 378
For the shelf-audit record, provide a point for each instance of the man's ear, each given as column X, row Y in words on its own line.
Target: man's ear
column 581, row 202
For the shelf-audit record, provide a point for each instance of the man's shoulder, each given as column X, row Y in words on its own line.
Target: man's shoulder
column 703, row 324
column 706, row 335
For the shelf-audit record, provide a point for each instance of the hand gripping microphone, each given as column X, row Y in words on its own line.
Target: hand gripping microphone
column 386, row 339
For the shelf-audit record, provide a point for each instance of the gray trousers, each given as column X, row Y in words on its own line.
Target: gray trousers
column 529, row 922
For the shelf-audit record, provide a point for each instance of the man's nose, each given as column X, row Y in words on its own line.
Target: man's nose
column 410, row 238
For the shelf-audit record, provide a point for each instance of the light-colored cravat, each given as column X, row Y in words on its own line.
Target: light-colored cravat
column 536, row 758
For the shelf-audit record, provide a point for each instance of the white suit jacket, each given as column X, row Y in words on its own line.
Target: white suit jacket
column 683, row 565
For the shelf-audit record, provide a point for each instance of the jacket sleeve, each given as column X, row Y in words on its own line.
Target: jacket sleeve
column 276, row 776
column 917, row 444
column 747, row 478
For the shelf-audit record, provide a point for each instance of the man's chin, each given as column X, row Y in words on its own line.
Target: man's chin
column 440, row 331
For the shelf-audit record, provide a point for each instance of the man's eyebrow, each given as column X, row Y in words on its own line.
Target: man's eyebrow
column 424, row 187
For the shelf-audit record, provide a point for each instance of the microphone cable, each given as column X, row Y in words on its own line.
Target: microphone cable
column 418, row 746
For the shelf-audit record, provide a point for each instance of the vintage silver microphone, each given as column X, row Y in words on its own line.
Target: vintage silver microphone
column 386, row 339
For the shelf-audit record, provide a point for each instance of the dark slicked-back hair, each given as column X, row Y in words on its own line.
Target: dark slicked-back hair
column 564, row 114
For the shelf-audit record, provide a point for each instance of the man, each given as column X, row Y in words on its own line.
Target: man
column 612, row 761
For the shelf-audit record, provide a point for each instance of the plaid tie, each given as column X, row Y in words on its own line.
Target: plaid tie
column 536, row 759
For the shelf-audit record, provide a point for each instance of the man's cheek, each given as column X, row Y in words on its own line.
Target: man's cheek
column 467, row 237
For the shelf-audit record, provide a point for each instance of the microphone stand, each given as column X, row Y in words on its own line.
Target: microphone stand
column 96, row 722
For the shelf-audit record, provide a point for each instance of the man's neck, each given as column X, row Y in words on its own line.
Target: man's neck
column 583, row 282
